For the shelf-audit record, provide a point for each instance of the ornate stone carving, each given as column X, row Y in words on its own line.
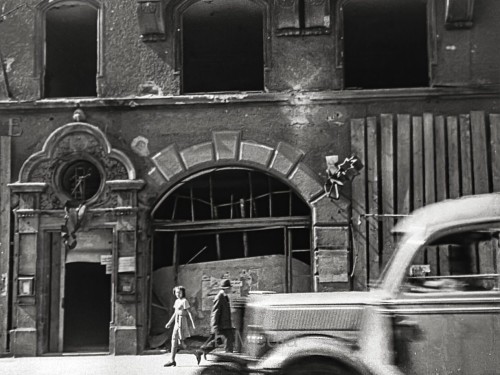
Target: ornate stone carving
column 70, row 143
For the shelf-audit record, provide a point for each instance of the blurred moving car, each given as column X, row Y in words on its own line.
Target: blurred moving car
column 435, row 309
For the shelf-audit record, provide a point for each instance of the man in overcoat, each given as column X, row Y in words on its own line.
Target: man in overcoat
column 220, row 322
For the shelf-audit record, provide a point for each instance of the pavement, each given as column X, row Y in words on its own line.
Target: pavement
column 100, row 364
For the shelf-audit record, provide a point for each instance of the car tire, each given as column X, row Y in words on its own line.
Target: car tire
column 314, row 366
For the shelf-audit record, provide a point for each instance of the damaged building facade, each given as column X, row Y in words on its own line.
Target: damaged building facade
column 146, row 144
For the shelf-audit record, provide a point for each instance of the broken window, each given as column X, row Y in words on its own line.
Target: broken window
column 385, row 44
column 229, row 214
column 222, row 46
column 70, row 50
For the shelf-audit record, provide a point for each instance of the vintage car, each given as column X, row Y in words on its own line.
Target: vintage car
column 435, row 309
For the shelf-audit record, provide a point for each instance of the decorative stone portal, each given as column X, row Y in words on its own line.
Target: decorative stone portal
column 76, row 279
column 242, row 210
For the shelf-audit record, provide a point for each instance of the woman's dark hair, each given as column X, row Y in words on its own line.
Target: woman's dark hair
column 182, row 289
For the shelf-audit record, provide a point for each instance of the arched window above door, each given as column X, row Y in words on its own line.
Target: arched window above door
column 231, row 194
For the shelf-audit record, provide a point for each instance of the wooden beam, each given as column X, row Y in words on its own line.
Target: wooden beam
column 481, row 178
column 270, row 191
column 176, row 259
column 453, row 157
column 479, row 152
column 218, row 246
column 191, row 201
column 372, row 171
column 418, row 170
column 440, row 155
column 403, row 164
column 166, row 225
column 429, row 175
column 250, row 192
column 360, row 264
column 495, row 150
column 442, row 252
column 387, row 174
column 466, row 182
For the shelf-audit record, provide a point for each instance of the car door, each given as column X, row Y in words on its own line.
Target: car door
column 447, row 314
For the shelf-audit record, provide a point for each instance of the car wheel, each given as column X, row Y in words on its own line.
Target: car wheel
column 315, row 366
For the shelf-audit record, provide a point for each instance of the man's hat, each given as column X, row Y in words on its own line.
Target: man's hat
column 225, row 284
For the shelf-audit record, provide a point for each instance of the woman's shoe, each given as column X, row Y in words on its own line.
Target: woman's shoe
column 170, row 363
column 198, row 354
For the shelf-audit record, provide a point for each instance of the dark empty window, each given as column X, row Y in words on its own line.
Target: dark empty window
column 385, row 44
column 222, row 46
column 71, row 50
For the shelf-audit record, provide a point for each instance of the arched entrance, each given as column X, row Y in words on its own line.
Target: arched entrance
column 228, row 222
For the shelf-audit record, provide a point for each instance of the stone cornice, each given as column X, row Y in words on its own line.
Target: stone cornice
column 283, row 98
column 28, row 187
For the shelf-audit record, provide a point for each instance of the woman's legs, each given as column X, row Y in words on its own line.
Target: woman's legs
column 173, row 348
column 175, row 345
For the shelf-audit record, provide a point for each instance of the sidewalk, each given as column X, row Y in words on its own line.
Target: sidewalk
column 99, row 364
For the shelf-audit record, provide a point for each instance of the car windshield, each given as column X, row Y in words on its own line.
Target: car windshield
column 398, row 239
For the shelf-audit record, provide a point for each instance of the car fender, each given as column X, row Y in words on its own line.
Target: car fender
column 301, row 348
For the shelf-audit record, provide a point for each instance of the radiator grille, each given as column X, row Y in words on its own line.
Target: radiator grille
column 313, row 318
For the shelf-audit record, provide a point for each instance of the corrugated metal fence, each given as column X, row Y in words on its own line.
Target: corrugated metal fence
column 411, row 161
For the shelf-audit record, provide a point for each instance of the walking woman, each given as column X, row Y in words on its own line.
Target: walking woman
column 179, row 318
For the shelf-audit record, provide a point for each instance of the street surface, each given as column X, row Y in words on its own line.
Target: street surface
column 99, row 365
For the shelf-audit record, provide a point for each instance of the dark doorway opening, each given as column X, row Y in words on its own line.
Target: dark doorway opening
column 70, row 51
column 87, row 307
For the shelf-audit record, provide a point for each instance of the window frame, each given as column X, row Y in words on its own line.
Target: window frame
column 40, row 41
column 183, row 5
column 432, row 53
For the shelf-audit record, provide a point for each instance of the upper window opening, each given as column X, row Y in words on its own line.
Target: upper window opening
column 385, row 44
column 222, row 46
column 70, row 50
